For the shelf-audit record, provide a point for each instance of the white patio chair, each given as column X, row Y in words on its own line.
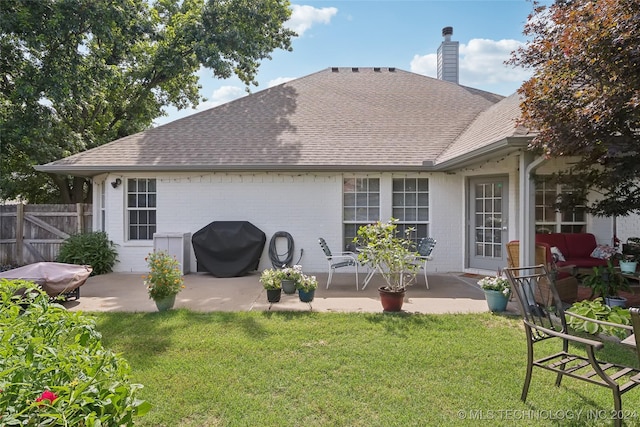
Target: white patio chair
column 338, row 260
column 425, row 249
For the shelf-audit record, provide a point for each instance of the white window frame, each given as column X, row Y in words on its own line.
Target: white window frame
column 145, row 203
column 557, row 222
column 360, row 204
column 410, row 205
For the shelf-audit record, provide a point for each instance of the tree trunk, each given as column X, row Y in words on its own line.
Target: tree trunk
column 74, row 189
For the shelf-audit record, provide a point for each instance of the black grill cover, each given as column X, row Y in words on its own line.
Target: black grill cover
column 228, row 248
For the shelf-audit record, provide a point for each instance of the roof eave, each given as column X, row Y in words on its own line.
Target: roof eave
column 90, row 171
column 505, row 146
column 463, row 160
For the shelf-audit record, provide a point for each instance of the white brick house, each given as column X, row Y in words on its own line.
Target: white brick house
column 322, row 154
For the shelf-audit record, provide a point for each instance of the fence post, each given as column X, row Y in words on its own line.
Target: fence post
column 80, row 217
column 20, row 233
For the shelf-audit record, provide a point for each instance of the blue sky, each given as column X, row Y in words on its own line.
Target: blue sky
column 390, row 33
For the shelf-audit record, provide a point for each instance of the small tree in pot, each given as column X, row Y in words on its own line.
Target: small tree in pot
column 381, row 247
column 607, row 282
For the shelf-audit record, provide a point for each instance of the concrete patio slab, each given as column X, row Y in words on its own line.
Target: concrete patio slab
column 448, row 293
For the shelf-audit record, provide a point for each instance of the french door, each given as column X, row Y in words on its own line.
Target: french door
column 487, row 222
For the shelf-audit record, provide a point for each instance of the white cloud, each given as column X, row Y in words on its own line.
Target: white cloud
column 279, row 80
column 221, row 96
column 481, row 63
column 426, row 64
column 303, row 17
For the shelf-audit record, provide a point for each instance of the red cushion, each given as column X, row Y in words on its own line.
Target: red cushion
column 583, row 262
column 580, row 245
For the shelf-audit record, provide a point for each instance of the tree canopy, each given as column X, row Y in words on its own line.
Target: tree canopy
column 584, row 97
column 77, row 74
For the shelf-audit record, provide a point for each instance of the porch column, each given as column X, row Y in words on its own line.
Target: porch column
column 527, row 216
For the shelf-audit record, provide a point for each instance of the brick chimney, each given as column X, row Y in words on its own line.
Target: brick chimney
column 448, row 57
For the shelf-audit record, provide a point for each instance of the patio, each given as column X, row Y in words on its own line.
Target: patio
column 448, row 293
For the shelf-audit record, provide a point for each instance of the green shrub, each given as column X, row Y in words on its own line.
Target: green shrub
column 54, row 370
column 94, row 249
column 596, row 309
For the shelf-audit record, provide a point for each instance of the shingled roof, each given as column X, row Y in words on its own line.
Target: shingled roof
column 353, row 119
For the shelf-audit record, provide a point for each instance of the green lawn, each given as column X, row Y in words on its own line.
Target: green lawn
column 322, row 369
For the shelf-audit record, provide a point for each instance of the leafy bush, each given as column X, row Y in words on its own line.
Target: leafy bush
column 54, row 370
column 164, row 278
column 94, row 249
column 596, row 309
column 381, row 246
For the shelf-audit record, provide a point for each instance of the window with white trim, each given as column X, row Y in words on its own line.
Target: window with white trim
column 410, row 207
column 141, row 208
column 360, row 205
column 551, row 220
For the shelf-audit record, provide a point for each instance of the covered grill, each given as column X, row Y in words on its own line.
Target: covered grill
column 228, row 248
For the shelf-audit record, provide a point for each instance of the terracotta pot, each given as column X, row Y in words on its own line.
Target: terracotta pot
column 391, row 300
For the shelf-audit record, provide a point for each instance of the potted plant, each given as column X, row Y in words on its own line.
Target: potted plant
column 632, row 247
column 607, row 282
column 289, row 278
column 393, row 256
column 271, row 280
column 307, row 286
column 596, row 309
column 628, row 263
column 164, row 280
column 497, row 292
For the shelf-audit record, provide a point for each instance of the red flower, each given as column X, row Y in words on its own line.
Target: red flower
column 47, row 395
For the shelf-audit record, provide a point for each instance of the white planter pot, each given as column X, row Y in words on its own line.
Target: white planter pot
column 628, row 266
column 616, row 301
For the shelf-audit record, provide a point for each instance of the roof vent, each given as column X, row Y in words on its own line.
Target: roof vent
column 392, row 69
column 355, row 69
column 376, row 69
column 334, row 69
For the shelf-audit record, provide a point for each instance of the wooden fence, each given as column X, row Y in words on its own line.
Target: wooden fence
column 33, row 233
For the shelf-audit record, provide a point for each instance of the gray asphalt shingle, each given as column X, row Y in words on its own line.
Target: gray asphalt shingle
column 333, row 119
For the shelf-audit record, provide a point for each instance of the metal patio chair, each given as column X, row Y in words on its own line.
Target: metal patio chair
column 338, row 260
column 544, row 319
column 632, row 340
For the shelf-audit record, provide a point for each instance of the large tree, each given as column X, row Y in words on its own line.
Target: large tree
column 584, row 97
column 77, row 74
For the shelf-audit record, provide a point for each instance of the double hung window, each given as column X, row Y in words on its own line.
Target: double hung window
column 551, row 220
column 141, row 208
column 361, row 205
column 411, row 206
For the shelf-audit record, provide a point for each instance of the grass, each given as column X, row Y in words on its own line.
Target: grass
column 331, row 369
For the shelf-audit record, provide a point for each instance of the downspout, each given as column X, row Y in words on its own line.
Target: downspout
column 527, row 217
